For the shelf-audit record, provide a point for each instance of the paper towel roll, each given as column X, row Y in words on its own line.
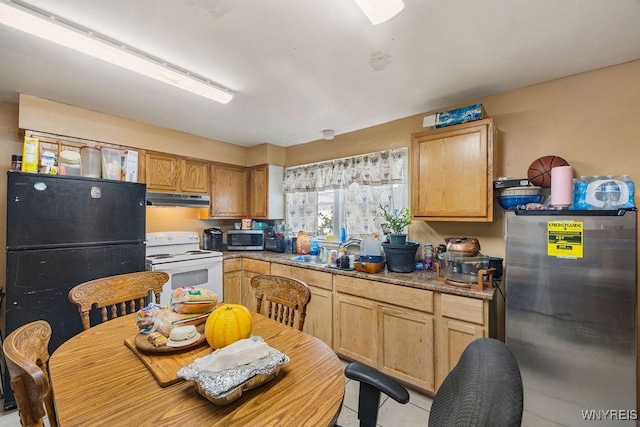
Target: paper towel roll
column 562, row 186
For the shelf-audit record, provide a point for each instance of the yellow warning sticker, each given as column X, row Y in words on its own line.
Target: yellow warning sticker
column 565, row 238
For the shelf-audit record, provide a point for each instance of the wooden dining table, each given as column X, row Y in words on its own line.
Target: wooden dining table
column 98, row 380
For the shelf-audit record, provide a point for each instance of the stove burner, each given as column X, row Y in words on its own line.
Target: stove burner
column 197, row 252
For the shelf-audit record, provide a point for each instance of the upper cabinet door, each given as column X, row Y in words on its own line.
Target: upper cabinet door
column 228, row 191
column 161, row 171
column 452, row 173
column 195, row 176
column 258, row 191
column 171, row 173
column 266, row 198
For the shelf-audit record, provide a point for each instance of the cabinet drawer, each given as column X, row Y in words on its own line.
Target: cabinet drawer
column 417, row 299
column 255, row 266
column 462, row 308
column 232, row 264
column 309, row 276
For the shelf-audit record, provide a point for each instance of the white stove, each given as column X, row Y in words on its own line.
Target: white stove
column 178, row 254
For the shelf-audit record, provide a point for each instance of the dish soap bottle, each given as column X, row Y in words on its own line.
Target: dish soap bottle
column 343, row 233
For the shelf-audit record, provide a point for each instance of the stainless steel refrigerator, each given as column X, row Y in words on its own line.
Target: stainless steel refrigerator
column 571, row 298
column 62, row 231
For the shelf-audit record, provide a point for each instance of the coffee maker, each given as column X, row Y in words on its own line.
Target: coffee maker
column 212, row 238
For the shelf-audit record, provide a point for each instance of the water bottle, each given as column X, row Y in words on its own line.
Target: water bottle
column 610, row 191
column 580, row 194
column 428, row 256
column 631, row 189
column 314, row 248
column 343, row 233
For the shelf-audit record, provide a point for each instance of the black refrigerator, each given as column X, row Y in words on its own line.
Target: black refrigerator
column 62, row 231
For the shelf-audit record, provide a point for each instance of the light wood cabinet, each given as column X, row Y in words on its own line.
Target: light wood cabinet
column 250, row 269
column 355, row 328
column 228, row 191
column 266, row 197
column 414, row 335
column 161, row 172
column 232, row 281
column 386, row 326
column 462, row 320
column 406, row 345
column 194, row 176
column 319, row 319
column 169, row 173
column 452, row 173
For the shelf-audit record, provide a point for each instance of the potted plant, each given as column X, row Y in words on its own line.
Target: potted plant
column 400, row 254
column 397, row 220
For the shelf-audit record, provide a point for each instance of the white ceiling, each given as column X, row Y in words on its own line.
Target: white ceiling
column 298, row 67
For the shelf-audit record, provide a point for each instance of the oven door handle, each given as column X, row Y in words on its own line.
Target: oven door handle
column 188, row 265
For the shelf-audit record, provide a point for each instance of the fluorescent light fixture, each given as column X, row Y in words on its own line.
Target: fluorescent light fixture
column 379, row 11
column 64, row 33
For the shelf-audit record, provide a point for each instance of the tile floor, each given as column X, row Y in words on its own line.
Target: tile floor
column 391, row 414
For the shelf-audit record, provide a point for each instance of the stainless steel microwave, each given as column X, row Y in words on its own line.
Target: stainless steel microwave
column 246, row 240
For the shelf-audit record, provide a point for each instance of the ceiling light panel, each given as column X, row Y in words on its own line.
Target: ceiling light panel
column 379, row 11
column 51, row 28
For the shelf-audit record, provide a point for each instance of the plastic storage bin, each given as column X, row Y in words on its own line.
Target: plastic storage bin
column 70, row 163
column 112, row 163
column 91, row 161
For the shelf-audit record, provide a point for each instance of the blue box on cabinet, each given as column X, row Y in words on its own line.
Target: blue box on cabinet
column 459, row 115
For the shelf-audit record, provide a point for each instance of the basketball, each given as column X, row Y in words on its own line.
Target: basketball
column 539, row 172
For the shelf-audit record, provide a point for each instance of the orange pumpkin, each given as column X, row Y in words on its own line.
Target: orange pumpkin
column 227, row 324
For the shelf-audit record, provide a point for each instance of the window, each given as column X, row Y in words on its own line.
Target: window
column 323, row 196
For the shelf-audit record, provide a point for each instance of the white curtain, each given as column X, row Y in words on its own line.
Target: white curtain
column 302, row 211
column 367, row 180
column 375, row 169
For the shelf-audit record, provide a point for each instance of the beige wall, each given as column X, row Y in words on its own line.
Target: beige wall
column 590, row 119
column 52, row 117
column 266, row 153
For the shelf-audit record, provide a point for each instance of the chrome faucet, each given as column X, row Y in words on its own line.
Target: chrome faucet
column 351, row 243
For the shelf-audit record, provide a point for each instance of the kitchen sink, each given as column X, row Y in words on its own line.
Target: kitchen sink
column 309, row 259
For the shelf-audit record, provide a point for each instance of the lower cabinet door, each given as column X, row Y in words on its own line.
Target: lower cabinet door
column 232, row 287
column 355, row 324
column 455, row 336
column 248, row 294
column 406, row 345
column 318, row 321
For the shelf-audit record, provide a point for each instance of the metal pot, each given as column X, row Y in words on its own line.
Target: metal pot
column 463, row 246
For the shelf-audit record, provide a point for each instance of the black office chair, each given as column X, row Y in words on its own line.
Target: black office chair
column 483, row 389
column 372, row 382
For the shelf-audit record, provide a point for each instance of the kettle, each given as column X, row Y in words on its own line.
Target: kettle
column 212, row 238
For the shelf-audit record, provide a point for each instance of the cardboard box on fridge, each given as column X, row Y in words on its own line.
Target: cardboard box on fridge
column 130, row 166
column 455, row 116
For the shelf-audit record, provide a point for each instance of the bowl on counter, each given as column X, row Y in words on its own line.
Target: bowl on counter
column 369, row 267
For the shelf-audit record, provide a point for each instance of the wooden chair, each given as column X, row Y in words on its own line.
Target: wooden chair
column 26, row 354
column 116, row 295
column 285, row 296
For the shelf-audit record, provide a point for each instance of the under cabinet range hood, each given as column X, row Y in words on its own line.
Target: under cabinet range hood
column 174, row 199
